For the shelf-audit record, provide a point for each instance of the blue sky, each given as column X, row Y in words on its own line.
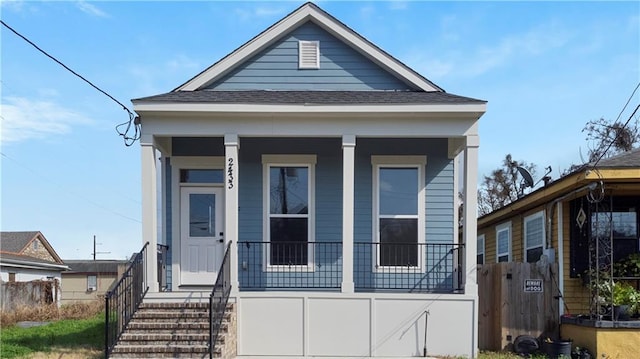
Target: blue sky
column 545, row 68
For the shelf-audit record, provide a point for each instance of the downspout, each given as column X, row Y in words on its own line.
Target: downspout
column 549, row 213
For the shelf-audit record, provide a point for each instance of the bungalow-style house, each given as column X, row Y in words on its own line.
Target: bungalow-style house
column 89, row 279
column 326, row 170
column 586, row 221
column 28, row 256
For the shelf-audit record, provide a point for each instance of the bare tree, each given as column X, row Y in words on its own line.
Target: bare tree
column 502, row 186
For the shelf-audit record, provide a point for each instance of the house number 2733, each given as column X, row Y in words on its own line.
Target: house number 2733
column 230, row 173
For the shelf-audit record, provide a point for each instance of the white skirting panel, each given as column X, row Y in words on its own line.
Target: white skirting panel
column 277, row 324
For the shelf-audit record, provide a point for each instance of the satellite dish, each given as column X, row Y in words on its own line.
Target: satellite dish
column 526, row 176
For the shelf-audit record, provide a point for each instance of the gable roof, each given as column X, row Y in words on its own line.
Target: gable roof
column 308, row 12
column 93, row 266
column 15, row 243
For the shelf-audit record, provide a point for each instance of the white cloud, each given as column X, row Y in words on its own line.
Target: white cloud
column 480, row 60
column 14, row 5
column 174, row 72
column 90, row 9
column 250, row 14
column 398, row 5
column 24, row 119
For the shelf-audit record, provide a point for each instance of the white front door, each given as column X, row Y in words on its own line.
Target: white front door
column 201, row 234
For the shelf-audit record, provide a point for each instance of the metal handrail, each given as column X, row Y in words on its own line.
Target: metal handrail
column 123, row 299
column 218, row 300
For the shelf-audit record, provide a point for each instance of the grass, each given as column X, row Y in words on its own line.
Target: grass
column 75, row 331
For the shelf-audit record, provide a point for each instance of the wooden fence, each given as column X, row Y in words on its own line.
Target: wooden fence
column 14, row 295
column 516, row 299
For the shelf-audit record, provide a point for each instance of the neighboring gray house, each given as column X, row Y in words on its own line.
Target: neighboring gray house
column 328, row 169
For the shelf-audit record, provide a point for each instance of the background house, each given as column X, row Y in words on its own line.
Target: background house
column 28, row 256
column 586, row 220
column 88, row 279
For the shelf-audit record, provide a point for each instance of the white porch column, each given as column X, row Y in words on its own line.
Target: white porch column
column 470, row 228
column 231, row 146
column 348, row 180
column 470, row 225
column 149, row 209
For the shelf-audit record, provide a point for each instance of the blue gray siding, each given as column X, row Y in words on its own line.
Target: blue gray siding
column 328, row 208
column 341, row 67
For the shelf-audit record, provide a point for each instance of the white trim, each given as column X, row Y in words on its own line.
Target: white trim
column 506, row 226
column 279, row 29
column 560, row 257
column 475, row 109
column 391, row 161
column 348, row 200
column 525, row 222
column 479, row 251
column 308, row 46
column 308, row 161
column 178, row 163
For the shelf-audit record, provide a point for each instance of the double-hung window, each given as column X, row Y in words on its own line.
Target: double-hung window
column 92, row 282
column 480, row 250
column 289, row 209
column 503, row 242
column 534, row 236
column 398, row 197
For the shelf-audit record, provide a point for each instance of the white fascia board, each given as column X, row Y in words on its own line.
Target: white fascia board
column 142, row 107
column 31, row 265
column 297, row 126
column 272, row 34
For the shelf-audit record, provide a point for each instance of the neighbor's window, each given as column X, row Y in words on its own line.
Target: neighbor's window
column 398, row 203
column 480, row 250
column 534, row 236
column 503, row 242
column 92, row 282
column 619, row 226
column 289, row 197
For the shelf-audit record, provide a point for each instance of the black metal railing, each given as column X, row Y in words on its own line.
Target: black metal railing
column 163, row 250
column 218, row 300
column 410, row 267
column 290, row 265
column 124, row 298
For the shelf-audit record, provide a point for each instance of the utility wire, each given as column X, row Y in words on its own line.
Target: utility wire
column 133, row 119
column 73, row 193
column 623, row 126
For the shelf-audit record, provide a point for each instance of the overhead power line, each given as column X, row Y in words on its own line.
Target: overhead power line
column 623, row 126
column 133, row 118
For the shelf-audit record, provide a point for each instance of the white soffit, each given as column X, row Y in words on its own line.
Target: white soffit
column 304, row 13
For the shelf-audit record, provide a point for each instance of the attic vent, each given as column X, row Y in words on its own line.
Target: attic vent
column 309, row 54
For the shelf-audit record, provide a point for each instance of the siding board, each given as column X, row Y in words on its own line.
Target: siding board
column 341, row 67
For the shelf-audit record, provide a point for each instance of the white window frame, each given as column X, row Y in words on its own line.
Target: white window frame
column 526, row 221
column 480, row 249
column 307, row 65
column 91, row 288
column 501, row 228
column 418, row 162
column 269, row 161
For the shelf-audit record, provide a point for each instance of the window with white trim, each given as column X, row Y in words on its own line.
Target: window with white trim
column 92, row 282
column 503, row 242
column 480, row 250
column 398, row 202
column 289, row 209
column 534, row 236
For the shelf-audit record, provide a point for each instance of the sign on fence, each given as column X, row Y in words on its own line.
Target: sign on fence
column 533, row 286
